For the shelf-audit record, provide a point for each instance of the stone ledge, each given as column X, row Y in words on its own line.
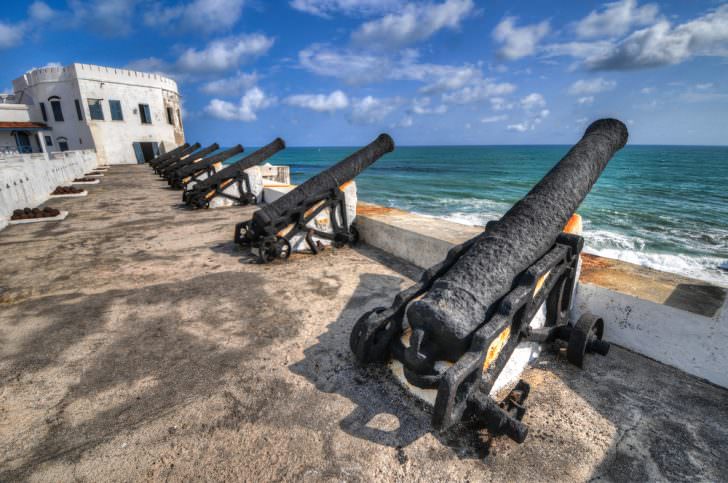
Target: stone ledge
column 676, row 320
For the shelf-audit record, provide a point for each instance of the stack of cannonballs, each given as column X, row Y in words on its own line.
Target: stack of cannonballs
column 83, row 180
column 66, row 190
column 29, row 214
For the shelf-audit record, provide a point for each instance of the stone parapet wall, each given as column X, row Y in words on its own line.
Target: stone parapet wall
column 679, row 321
column 27, row 180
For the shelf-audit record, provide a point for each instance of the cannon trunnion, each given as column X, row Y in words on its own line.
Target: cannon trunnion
column 455, row 329
column 271, row 230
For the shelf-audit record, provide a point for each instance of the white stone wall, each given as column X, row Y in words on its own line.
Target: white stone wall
column 113, row 140
column 15, row 112
column 27, row 180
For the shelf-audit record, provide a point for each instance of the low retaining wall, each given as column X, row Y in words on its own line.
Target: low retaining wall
column 27, row 180
column 675, row 320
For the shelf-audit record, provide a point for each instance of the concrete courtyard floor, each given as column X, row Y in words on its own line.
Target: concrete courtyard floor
column 136, row 343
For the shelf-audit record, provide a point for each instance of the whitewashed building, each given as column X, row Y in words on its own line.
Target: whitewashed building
column 126, row 116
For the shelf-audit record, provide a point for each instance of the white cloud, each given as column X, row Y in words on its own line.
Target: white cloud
column 319, row 102
column 414, row 23
column 353, row 67
column 520, row 127
column 580, row 50
column 110, row 18
column 370, row 110
column 327, row 8
column 231, row 86
column 225, row 54
column 40, row 12
column 405, row 122
column 452, row 78
column 478, row 91
column 706, row 85
column 663, row 44
column 616, row 19
column 647, row 90
column 491, row 119
column 518, row 41
column 533, row 101
column 586, row 100
column 500, row 104
column 198, row 15
column 10, row 35
column 246, row 110
column 534, row 108
column 593, row 86
column 529, row 124
column 365, row 68
column 423, row 105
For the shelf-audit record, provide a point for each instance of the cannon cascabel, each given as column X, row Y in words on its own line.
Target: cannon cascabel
column 467, row 295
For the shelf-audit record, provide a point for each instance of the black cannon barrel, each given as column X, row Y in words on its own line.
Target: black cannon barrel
column 192, row 158
column 202, row 165
column 235, row 169
column 168, row 154
column 185, row 152
column 327, row 180
column 468, row 293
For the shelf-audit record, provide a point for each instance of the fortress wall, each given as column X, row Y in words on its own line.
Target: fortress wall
column 27, row 180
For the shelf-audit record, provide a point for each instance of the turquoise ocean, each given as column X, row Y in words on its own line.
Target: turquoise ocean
column 664, row 207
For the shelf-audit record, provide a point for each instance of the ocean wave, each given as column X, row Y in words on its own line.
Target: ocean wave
column 625, row 248
column 701, row 268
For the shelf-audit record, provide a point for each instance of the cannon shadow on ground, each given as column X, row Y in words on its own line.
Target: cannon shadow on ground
column 384, row 412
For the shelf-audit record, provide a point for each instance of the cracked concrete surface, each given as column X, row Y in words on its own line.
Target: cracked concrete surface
column 138, row 344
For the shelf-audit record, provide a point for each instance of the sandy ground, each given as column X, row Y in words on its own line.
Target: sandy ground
column 136, row 343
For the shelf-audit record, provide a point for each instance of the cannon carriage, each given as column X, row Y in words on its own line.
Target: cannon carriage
column 232, row 183
column 321, row 209
column 452, row 333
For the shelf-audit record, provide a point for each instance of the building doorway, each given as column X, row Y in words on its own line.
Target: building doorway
column 145, row 152
column 22, row 141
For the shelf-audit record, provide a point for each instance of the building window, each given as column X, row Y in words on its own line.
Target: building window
column 115, row 108
column 43, row 112
column 144, row 114
column 179, row 117
column 62, row 144
column 56, row 108
column 170, row 115
column 49, row 141
column 94, row 108
column 79, row 110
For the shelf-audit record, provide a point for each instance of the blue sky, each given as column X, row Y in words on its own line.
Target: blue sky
column 337, row 72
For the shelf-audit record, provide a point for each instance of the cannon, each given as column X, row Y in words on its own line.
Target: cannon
column 191, row 159
column 273, row 229
column 180, row 155
column 168, row 154
column 451, row 334
column 233, row 182
column 203, row 169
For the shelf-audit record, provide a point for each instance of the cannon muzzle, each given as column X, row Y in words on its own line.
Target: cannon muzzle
column 185, row 152
column 191, row 159
column 466, row 296
column 203, row 165
column 169, row 154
